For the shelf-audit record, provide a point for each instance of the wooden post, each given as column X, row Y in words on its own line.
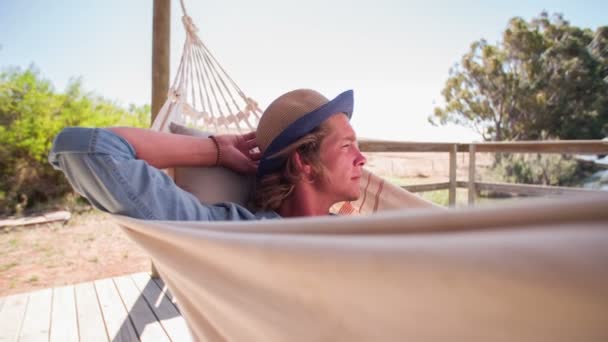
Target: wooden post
column 472, row 191
column 161, row 45
column 452, row 193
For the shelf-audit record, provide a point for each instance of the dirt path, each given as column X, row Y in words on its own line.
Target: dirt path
column 90, row 246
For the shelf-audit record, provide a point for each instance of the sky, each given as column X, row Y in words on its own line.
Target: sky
column 395, row 54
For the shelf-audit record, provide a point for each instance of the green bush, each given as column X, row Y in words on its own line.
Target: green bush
column 545, row 169
column 31, row 114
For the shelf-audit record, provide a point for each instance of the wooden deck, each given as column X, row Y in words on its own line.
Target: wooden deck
column 127, row 308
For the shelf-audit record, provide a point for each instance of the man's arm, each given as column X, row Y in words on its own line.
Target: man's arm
column 117, row 170
column 165, row 150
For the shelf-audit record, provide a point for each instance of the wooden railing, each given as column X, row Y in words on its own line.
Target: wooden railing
column 560, row 147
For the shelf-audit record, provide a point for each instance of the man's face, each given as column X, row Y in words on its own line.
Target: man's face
column 342, row 161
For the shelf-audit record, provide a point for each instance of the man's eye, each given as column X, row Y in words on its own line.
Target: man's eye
column 347, row 145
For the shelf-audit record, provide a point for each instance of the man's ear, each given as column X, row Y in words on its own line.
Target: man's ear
column 303, row 168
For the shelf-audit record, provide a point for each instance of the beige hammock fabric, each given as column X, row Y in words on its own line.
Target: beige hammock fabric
column 535, row 271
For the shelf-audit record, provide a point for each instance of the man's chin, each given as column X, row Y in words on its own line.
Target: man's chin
column 354, row 196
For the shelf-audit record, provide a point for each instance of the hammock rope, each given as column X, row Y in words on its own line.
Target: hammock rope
column 203, row 95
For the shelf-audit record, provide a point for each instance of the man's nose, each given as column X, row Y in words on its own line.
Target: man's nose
column 360, row 160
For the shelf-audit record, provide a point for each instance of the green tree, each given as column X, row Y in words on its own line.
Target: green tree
column 544, row 79
column 31, row 114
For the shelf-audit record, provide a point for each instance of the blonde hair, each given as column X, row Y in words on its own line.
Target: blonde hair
column 272, row 189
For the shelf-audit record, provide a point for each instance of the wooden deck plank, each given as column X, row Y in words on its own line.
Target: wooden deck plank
column 118, row 324
column 171, row 320
column 11, row 316
column 122, row 309
column 146, row 324
column 64, row 323
column 91, row 326
column 37, row 320
column 165, row 289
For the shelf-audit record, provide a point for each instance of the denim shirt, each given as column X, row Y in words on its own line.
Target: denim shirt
column 102, row 166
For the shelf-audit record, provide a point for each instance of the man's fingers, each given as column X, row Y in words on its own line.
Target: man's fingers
column 249, row 136
column 255, row 155
column 251, row 144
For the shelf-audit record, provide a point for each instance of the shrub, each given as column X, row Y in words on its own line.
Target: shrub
column 31, row 114
column 544, row 169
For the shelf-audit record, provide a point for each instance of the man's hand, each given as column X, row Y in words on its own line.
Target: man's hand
column 237, row 152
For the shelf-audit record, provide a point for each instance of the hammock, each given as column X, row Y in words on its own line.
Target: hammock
column 536, row 271
column 532, row 271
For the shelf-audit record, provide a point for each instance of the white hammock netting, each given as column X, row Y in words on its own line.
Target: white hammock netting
column 203, row 95
column 533, row 271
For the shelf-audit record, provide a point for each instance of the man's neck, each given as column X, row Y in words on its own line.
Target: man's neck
column 305, row 201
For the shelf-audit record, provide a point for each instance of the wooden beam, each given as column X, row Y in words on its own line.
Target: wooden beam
column 522, row 189
column 426, row 187
column 529, row 189
column 472, row 191
column 560, row 146
column 161, row 44
column 153, row 270
column 45, row 218
column 402, row 146
column 452, row 193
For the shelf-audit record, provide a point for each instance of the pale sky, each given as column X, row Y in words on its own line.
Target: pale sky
column 394, row 54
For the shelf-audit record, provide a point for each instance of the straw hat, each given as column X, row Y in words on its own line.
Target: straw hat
column 292, row 116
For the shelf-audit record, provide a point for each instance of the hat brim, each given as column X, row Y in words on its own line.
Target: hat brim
column 343, row 103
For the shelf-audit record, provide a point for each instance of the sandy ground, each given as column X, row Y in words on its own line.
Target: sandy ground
column 91, row 246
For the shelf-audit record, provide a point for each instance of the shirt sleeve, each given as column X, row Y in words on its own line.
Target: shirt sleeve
column 102, row 166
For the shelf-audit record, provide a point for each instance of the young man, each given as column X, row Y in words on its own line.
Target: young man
column 308, row 160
